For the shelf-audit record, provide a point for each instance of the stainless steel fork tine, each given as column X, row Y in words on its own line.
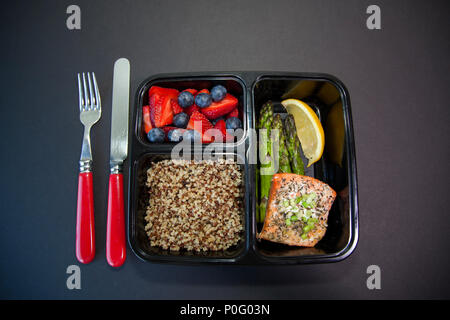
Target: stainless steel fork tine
column 91, row 93
column 80, row 93
column 87, row 102
column 98, row 104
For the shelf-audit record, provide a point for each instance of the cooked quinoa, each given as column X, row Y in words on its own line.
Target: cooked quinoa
column 194, row 205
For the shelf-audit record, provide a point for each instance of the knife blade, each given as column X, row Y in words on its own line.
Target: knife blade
column 115, row 231
column 120, row 110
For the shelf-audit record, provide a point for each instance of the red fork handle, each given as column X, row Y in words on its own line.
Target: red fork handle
column 115, row 229
column 85, row 234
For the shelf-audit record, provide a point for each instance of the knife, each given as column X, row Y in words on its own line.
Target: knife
column 115, row 230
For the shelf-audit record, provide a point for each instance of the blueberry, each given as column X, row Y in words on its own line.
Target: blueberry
column 203, row 100
column 185, row 99
column 233, row 123
column 180, row 120
column 192, row 135
column 156, row 135
column 218, row 92
column 175, row 135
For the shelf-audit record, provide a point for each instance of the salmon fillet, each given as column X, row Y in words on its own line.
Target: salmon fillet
column 296, row 201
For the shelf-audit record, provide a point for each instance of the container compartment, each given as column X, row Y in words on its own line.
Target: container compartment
column 329, row 99
column 138, row 202
column 326, row 95
column 234, row 85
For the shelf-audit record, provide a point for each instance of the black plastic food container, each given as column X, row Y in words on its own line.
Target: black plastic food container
column 326, row 95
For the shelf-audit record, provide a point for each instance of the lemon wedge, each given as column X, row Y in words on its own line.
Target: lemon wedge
column 309, row 129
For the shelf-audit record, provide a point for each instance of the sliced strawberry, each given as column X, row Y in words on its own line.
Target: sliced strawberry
column 157, row 95
column 161, row 113
column 197, row 119
column 175, row 106
column 199, row 123
column 193, row 91
column 203, row 91
column 146, row 119
column 190, row 110
column 152, row 100
column 160, row 91
column 220, row 108
column 221, row 126
column 233, row 113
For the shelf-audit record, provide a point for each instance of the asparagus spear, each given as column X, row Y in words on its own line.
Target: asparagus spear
column 283, row 153
column 265, row 122
column 293, row 145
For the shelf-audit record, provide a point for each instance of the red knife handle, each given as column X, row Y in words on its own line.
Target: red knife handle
column 85, row 234
column 115, row 229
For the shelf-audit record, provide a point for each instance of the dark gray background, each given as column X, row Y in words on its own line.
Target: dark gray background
column 398, row 81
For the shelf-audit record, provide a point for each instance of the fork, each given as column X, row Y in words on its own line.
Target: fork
column 90, row 112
